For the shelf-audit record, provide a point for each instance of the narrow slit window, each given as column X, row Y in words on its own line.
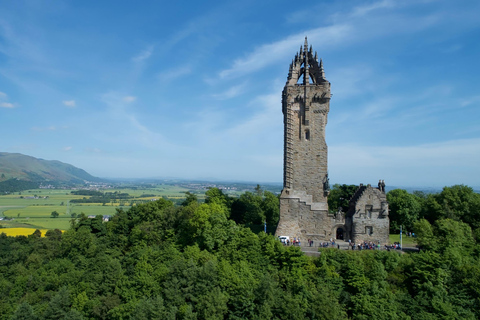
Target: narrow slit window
column 369, row 230
column 307, row 134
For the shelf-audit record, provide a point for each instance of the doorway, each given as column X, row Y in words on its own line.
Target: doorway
column 339, row 233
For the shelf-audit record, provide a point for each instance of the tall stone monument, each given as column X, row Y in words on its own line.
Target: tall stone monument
column 304, row 210
column 305, row 105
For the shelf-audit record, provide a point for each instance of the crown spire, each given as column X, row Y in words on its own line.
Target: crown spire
column 322, row 72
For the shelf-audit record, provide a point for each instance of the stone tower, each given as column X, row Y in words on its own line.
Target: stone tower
column 305, row 106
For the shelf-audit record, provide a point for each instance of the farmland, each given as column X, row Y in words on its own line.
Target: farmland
column 32, row 209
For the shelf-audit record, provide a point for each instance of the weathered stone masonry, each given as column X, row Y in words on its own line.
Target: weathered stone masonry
column 303, row 202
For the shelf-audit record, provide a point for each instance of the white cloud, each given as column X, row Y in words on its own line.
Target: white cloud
column 268, row 107
column 69, row 103
column 3, row 95
column 93, row 150
column 67, row 148
column 362, row 11
column 174, row 73
column 50, row 128
column 231, row 92
column 360, row 24
column 144, row 55
column 129, row 99
column 132, row 129
column 281, row 50
column 469, row 101
column 7, row 105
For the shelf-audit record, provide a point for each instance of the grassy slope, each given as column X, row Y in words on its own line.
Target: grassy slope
column 16, row 165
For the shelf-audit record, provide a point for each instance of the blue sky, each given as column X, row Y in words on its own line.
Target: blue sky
column 192, row 89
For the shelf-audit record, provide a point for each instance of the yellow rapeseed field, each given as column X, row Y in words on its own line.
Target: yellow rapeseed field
column 12, row 232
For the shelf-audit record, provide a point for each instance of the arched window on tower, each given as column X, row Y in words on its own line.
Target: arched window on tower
column 307, row 134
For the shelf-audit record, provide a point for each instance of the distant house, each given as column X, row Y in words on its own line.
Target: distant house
column 106, row 218
column 91, row 217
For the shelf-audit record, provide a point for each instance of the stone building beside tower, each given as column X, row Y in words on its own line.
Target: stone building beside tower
column 304, row 210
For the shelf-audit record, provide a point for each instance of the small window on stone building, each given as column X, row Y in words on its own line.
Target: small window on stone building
column 307, row 134
column 369, row 230
column 368, row 211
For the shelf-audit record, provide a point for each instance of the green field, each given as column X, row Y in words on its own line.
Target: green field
column 38, row 223
column 406, row 241
column 33, row 208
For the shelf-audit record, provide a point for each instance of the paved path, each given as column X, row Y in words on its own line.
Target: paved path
column 342, row 245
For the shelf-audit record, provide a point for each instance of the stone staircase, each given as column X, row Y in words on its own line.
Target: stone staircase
column 308, row 200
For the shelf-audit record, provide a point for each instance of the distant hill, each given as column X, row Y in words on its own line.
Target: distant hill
column 22, row 172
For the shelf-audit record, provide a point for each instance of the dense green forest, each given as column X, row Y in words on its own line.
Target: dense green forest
column 198, row 261
column 14, row 185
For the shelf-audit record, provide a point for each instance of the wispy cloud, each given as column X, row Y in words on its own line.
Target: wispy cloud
column 230, row 92
column 470, row 100
column 129, row 99
column 7, row 105
column 50, row 128
column 93, row 150
column 362, row 11
column 261, row 120
column 359, row 24
column 144, row 55
column 281, row 50
column 69, row 103
column 175, row 73
column 69, row 148
column 132, row 128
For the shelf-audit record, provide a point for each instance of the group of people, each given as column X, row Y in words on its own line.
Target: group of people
column 294, row 242
column 326, row 244
column 395, row 245
column 366, row 245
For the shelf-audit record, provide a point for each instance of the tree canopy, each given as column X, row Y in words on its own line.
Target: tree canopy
column 161, row 261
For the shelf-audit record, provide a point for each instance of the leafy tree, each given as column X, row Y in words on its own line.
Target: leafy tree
column 152, row 309
column 215, row 195
column 404, row 209
column 458, row 202
column 340, row 196
column 424, row 233
column 248, row 209
column 271, row 208
column 24, row 312
column 54, row 234
column 190, row 198
column 59, row 307
column 37, row 233
column 55, row 214
column 258, row 190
